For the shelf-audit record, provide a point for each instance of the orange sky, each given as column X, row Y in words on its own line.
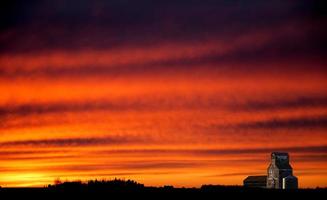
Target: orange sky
column 176, row 112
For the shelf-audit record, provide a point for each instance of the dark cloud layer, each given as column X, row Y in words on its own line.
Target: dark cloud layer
column 10, row 113
column 31, row 109
column 239, row 60
column 136, row 140
column 72, row 142
column 298, row 102
column 306, row 149
column 150, row 103
column 213, row 152
column 107, row 24
column 289, row 123
column 296, row 28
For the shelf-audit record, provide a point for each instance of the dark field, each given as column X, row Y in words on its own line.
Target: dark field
column 107, row 191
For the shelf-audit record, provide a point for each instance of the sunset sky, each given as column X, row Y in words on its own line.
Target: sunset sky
column 179, row 92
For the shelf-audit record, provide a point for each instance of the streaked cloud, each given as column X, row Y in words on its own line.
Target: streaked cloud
column 69, row 142
column 293, row 123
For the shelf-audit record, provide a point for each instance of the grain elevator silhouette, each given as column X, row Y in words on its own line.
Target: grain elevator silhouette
column 279, row 174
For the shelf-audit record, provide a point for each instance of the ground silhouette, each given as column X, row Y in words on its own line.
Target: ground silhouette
column 118, row 188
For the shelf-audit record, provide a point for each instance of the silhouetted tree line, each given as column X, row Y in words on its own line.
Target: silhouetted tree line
column 115, row 184
column 120, row 189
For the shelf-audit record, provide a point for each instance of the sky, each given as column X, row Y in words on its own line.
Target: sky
column 163, row 92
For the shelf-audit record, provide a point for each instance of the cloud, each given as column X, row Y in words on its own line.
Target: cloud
column 192, row 101
column 30, row 109
column 37, row 115
column 311, row 158
column 258, row 41
column 218, row 152
column 77, row 24
column 38, row 158
column 215, row 53
column 30, row 152
column 290, row 123
column 96, row 141
column 284, row 103
column 305, row 149
column 131, row 104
